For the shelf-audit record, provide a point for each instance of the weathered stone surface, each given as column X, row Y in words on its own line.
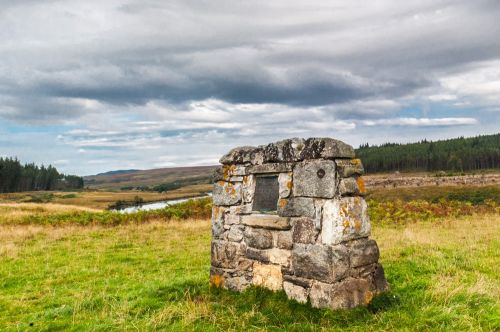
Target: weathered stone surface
column 257, row 255
column 344, row 219
column 239, row 283
column 295, row 292
column 270, row 168
column 240, row 209
column 283, row 239
column 235, row 233
column 348, row 186
column 267, row 275
column 243, row 155
column 349, row 167
column 231, row 219
column 225, row 254
column 248, row 188
column 236, row 178
column 287, row 150
column 346, row 294
column 314, row 178
column 285, row 184
column 326, row 148
column 296, row 207
column 218, row 221
column 284, row 217
column 304, row 230
column 302, row 282
column 226, row 193
column 363, row 252
column 258, row 238
column 364, row 271
column 280, row 256
column 269, row 221
column 324, row 263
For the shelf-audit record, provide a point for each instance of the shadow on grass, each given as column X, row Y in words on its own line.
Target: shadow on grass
column 261, row 308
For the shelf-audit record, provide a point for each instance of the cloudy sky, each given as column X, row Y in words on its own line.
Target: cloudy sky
column 97, row 85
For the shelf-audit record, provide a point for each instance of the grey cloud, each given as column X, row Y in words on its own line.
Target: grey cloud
column 284, row 53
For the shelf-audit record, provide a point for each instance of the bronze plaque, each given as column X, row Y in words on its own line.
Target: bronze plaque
column 266, row 194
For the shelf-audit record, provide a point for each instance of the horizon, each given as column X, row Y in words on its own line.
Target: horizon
column 100, row 86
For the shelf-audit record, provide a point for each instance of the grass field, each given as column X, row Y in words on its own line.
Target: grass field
column 444, row 276
column 76, row 267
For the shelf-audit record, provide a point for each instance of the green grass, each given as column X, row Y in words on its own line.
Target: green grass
column 154, row 276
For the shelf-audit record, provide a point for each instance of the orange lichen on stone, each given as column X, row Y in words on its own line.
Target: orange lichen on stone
column 221, row 183
column 356, row 162
column 217, row 281
column 361, row 184
column 346, row 225
column 289, row 185
column 368, row 297
column 282, row 203
column 357, row 225
column 343, row 210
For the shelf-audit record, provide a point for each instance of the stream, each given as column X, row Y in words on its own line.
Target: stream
column 158, row 205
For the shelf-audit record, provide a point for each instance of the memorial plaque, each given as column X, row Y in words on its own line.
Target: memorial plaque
column 266, row 193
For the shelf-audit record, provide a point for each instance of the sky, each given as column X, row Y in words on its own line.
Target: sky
column 98, row 85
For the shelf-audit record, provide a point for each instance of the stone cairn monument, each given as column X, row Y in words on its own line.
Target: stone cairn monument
column 290, row 215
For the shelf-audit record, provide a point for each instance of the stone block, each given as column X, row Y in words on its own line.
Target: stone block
column 218, row 221
column 320, row 262
column 295, row 292
column 344, row 219
column 283, row 239
column 287, row 150
column 296, row 207
column 240, row 209
column 270, row 168
column 326, row 148
column 238, row 283
column 225, row 254
column 267, row 275
column 248, row 188
column 269, row 221
column 243, row 155
column 235, row 233
column 348, row 186
column 304, row 230
column 346, row 294
column 279, row 256
column 258, row 238
column 302, row 282
column 232, row 219
column 285, row 184
column 363, row 252
column 314, row 178
column 257, row 255
column 349, row 167
column 226, row 193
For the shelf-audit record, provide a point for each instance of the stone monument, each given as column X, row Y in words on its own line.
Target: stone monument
column 291, row 215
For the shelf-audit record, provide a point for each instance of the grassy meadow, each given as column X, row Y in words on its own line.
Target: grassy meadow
column 71, row 267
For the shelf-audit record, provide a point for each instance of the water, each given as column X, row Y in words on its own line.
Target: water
column 158, row 205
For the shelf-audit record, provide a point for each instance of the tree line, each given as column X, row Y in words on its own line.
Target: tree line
column 458, row 154
column 15, row 177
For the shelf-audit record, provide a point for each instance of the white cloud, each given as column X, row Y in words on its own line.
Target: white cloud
column 421, row 122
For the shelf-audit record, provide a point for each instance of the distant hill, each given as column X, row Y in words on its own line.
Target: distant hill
column 458, row 154
column 120, row 171
column 168, row 178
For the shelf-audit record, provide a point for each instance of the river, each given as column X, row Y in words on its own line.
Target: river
column 158, row 205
